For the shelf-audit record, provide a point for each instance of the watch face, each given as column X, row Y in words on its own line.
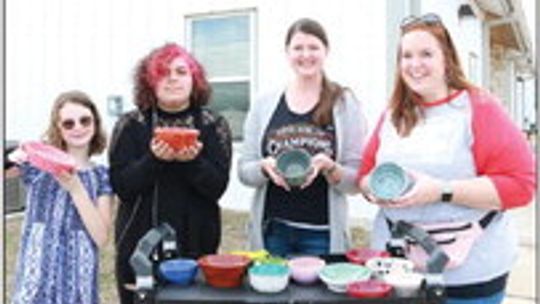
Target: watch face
column 446, row 197
column 447, row 193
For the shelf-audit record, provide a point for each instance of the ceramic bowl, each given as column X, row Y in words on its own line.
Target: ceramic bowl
column 389, row 181
column 294, row 166
column 48, row 158
column 178, row 271
column 383, row 266
column 405, row 284
column 269, row 278
column 305, row 270
column 177, row 137
column 369, row 289
column 361, row 255
column 338, row 275
column 224, row 270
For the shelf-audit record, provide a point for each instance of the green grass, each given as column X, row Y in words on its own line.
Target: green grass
column 233, row 238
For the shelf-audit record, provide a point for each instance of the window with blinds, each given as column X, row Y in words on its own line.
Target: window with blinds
column 224, row 46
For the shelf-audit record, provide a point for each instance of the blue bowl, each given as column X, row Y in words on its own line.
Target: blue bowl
column 294, row 166
column 389, row 181
column 179, row 271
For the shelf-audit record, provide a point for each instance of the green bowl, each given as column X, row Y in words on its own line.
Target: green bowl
column 338, row 275
column 389, row 181
column 294, row 166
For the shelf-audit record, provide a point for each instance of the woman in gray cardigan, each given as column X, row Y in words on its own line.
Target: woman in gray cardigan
column 320, row 117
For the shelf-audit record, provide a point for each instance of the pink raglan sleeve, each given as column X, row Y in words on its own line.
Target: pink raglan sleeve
column 501, row 151
column 369, row 153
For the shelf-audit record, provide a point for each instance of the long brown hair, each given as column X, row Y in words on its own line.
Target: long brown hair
column 53, row 134
column 331, row 91
column 404, row 103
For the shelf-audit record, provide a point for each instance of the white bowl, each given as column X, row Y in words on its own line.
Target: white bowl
column 383, row 266
column 406, row 284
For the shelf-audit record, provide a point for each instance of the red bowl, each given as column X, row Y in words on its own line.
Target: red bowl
column 224, row 270
column 361, row 255
column 48, row 158
column 368, row 289
column 177, row 137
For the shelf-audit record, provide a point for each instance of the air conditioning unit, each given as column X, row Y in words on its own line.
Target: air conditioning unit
column 14, row 192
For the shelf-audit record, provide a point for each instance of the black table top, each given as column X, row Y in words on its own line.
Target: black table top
column 200, row 292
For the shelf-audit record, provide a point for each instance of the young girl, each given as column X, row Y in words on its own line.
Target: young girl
column 68, row 215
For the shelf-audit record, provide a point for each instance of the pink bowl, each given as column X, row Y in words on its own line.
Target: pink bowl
column 305, row 270
column 48, row 158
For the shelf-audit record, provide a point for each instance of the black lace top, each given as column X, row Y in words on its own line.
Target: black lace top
column 183, row 194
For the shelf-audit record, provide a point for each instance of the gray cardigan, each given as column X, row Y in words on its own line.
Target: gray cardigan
column 350, row 126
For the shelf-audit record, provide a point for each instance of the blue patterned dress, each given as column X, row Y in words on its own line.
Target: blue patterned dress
column 58, row 260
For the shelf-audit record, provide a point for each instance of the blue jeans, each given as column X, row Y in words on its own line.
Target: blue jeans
column 493, row 299
column 283, row 240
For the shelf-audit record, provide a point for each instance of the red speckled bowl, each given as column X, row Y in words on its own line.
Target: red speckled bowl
column 224, row 270
column 48, row 158
column 177, row 137
column 369, row 289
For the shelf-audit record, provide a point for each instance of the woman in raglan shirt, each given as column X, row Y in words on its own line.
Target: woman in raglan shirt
column 466, row 156
column 321, row 117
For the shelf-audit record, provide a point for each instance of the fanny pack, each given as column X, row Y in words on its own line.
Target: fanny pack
column 455, row 239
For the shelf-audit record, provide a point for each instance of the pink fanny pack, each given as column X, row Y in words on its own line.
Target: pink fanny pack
column 455, row 239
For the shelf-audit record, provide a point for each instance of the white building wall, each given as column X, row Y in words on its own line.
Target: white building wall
column 59, row 45
column 94, row 46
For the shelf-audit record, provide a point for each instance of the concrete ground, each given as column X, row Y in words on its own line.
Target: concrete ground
column 522, row 284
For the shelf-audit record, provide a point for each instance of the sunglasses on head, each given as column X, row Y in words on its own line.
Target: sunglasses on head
column 84, row 121
column 427, row 19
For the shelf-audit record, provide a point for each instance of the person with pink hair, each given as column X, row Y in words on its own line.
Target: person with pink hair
column 157, row 182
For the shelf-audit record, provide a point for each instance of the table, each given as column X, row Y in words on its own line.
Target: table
column 200, row 292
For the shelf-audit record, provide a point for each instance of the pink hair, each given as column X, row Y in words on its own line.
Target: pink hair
column 158, row 64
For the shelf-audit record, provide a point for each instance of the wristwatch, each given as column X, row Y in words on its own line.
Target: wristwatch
column 446, row 192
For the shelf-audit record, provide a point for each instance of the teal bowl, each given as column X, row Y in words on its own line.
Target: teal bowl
column 294, row 166
column 269, row 278
column 389, row 181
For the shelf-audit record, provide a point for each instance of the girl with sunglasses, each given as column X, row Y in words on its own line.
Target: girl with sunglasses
column 68, row 214
column 157, row 183
column 466, row 156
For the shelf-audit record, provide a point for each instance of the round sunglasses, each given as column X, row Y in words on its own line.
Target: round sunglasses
column 84, row 121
